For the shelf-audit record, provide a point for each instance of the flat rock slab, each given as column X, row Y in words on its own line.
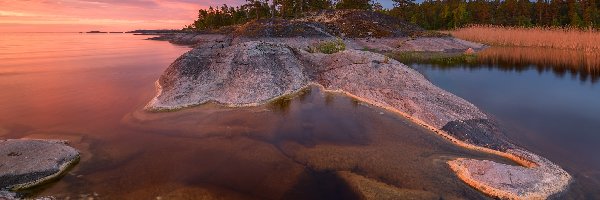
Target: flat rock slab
column 26, row 162
column 513, row 182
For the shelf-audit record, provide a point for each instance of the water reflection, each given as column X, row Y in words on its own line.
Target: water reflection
column 582, row 65
column 290, row 149
column 282, row 104
column 318, row 132
column 553, row 116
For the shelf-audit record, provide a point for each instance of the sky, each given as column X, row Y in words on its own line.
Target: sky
column 103, row 15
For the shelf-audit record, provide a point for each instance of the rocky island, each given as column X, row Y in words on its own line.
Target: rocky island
column 349, row 52
column 345, row 52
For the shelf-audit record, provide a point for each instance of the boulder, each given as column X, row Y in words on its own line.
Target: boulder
column 246, row 74
column 27, row 162
column 513, row 182
column 254, row 72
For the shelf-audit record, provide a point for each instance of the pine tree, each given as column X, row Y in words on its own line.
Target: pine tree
column 574, row 19
column 354, row 4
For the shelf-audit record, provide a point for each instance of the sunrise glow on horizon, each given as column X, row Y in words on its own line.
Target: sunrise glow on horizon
column 103, row 15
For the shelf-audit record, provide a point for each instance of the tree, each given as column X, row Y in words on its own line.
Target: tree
column 459, row 15
column 539, row 12
column 574, row 19
column 354, row 4
column 590, row 14
column 403, row 3
column 480, row 11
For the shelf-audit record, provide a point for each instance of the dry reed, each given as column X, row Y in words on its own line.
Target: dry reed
column 559, row 38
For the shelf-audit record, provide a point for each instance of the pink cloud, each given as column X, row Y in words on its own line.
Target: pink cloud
column 107, row 15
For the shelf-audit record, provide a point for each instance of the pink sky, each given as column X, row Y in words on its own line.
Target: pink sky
column 104, row 15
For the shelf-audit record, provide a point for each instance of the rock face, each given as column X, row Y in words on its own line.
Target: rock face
column 340, row 23
column 251, row 73
column 25, row 163
column 246, row 74
column 512, row 182
column 390, row 84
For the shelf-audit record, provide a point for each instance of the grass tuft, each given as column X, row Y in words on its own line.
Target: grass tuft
column 328, row 47
column 436, row 58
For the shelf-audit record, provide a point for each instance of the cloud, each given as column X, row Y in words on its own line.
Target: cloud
column 15, row 14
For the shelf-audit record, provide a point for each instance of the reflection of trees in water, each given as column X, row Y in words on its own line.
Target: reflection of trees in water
column 582, row 64
column 585, row 64
column 283, row 103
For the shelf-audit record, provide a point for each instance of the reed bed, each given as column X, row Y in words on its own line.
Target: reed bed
column 559, row 38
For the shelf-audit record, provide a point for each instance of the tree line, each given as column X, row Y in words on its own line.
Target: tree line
column 448, row 14
column 216, row 17
column 430, row 14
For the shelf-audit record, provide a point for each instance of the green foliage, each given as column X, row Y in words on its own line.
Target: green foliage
column 328, row 47
column 214, row 18
column 450, row 14
column 354, row 4
column 297, row 8
column 433, row 58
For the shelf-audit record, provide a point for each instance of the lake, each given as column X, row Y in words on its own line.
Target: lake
column 90, row 89
column 548, row 99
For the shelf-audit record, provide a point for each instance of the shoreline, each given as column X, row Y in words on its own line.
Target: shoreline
column 461, row 172
column 543, row 177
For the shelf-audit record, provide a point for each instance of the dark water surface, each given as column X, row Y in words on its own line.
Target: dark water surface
column 549, row 99
column 90, row 88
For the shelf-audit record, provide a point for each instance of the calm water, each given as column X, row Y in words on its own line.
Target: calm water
column 90, row 89
column 550, row 99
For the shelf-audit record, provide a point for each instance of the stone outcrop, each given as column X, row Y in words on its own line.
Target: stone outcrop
column 26, row 162
column 246, row 74
column 338, row 23
column 190, row 39
column 254, row 72
column 513, row 182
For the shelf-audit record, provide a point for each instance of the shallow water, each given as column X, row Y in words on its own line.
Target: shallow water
column 549, row 99
column 90, row 88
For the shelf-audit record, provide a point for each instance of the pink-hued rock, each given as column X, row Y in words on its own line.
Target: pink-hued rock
column 27, row 162
column 254, row 72
column 513, row 182
column 242, row 75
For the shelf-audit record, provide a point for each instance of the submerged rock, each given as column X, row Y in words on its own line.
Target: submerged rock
column 26, row 162
column 251, row 73
column 370, row 189
column 6, row 195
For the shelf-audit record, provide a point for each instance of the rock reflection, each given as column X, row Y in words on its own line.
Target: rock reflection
column 309, row 145
column 282, row 104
